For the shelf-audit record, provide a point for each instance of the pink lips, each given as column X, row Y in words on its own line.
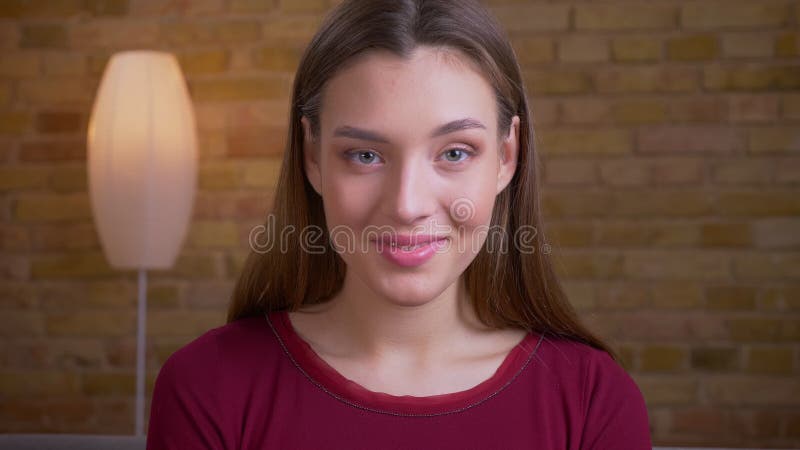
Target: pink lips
column 426, row 248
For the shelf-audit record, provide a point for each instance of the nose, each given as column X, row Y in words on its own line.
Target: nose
column 408, row 194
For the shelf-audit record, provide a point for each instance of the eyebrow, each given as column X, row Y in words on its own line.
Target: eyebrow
column 367, row 135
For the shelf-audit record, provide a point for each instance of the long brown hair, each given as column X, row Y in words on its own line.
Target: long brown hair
column 508, row 289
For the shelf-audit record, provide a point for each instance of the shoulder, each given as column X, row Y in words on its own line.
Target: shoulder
column 230, row 347
column 611, row 403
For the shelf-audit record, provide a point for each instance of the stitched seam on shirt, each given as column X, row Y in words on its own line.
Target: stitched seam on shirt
column 394, row 413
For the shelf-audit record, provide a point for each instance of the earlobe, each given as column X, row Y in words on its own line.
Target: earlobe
column 311, row 156
column 509, row 151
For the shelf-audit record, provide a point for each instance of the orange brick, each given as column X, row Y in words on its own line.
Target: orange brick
column 50, row 207
column 569, row 234
column 202, row 62
column 786, row 45
column 14, row 122
column 273, row 87
column 20, row 64
column 277, row 58
column 693, row 48
column 44, row 36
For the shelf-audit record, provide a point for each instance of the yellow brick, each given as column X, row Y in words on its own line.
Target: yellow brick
column 263, row 173
column 766, row 266
column 533, row 17
column 662, row 358
column 753, row 329
column 692, row 48
column 38, row 383
column 163, row 296
column 219, row 176
column 13, row 178
column 645, row 79
column 14, row 122
column 770, row 360
column 238, row 31
column 234, row 262
column 584, row 110
column 304, row 6
column 718, row 359
column 532, row 50
column 71, row 265
column 557, row 81
column 638, row 111
column 672, row 203
column 672, row 391
column 582, row 49
column 91, row 323
column 778, row 233
column 273, row 87
column 774, row 139
column 747, row 45
column 674, row 264
column 46, row 207
column 742, row 77
column 575, row 203
column 69, row 179
column 210, row 61
column 624, row 17
column 725, row 234
column 579, row 264
column 566, row 234
column 88, row 295
column 251, row 6
column 786, row 45
column 206, row 234
column 627, row 49
column 731, row 298
column 706, row 14
column 104, row 384
column 192, row 265
column 676, row 295
column 277, row 58
column 50, row 91
column 44, row 36
column 757, row 203
column 583, row 142
column 19, row 64
column 186, row 323
column 569, row 171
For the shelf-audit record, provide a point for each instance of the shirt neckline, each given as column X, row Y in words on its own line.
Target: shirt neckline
column 325, row 377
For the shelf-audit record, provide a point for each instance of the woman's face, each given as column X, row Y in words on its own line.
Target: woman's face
column 386, row 169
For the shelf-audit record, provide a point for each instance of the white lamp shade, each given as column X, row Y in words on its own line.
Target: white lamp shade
column 142, row 158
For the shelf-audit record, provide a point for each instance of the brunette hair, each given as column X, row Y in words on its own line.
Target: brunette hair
column 508, row 289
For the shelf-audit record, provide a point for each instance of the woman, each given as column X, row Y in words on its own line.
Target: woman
column 399, row 295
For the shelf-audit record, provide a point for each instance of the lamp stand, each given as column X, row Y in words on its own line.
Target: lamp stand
column 140, row 352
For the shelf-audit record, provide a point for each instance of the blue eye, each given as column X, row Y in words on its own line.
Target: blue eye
column 366, row 157
column 459, row 154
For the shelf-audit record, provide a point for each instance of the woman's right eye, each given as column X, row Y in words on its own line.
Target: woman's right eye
column 365, row 157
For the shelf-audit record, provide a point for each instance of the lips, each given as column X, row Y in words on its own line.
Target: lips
column 410, row 240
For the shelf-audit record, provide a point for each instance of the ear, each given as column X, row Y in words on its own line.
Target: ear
column 311, row 156
column 509, row 148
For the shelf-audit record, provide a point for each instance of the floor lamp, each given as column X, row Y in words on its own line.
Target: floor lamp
column 142, row 169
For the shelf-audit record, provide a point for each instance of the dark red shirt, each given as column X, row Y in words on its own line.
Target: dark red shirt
column 255, row 384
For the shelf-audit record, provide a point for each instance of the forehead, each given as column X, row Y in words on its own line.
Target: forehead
column 382, row 91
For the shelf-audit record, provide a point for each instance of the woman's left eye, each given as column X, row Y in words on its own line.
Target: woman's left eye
column 457, row 154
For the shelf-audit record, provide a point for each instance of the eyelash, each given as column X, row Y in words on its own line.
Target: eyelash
column 353, row 155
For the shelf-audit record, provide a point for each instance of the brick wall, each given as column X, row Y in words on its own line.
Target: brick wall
column 669, row 135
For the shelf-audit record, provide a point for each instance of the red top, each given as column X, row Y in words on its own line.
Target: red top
column 256, row 384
